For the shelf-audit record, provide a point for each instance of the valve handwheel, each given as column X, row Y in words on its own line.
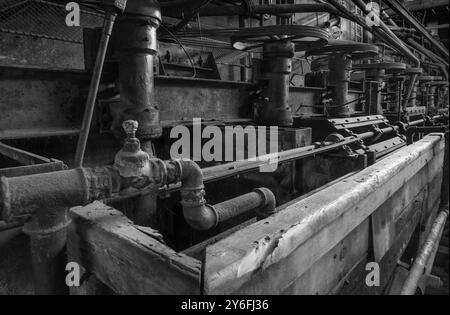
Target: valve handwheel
column 352, row 50
column 391, row 67
column 303, row 37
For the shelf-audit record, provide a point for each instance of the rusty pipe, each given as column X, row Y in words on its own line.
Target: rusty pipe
column 195, row 211
column 47, row 197
column 134, row 39
column 261, row 200
column 201, row 216
column 421, row 261
column 30, row 194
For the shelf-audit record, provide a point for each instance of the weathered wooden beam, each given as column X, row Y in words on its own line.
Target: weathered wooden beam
column 126, row 258
column 269, row 255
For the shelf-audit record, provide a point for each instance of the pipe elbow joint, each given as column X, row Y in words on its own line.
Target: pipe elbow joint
column 191, row 175
column 195, row 211
column 201, row 218
column 268, row 206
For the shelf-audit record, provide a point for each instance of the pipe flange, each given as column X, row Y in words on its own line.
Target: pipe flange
column 193, row 197
column 32, row 229
column 268, row 207
column 143, row 9
column 216, row 214
column 174, row 170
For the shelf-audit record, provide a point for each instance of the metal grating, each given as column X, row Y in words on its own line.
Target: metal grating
column 44, row 19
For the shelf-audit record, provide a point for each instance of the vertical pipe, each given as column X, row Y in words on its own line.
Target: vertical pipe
column 108, row 25
column 276, row 67
column 48, row 235
column 135, row 42
column 340, row 66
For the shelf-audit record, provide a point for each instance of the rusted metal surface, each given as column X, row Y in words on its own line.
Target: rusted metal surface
column 135, row 44
column 32, row 169
column 25, row 195
column 208, row 99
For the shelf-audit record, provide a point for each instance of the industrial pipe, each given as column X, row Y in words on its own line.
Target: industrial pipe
column 421, row 261
column 108, row 25
column 443, row 65
column 409, row 18
column 261, row 200
column 396, row 43
column 272, row 9
column 135, row 41
column 273, row 107
column 201, row 216
column 25, row 195
column 48, row 197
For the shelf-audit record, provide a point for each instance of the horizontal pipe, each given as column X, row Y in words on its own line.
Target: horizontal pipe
column 422, row 259
column 25, row 195
column 261, row 200
column 215, row 173
column 203, row 217
column 257, row 9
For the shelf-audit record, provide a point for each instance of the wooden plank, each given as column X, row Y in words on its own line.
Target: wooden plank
column 331, row 269
column 298, row 236
column 355, row 283
column 384, row 218
column 37, row 133
column 126, row 259
column 33, row 169
column 21, row 156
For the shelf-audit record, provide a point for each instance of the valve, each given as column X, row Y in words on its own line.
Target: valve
column 131, row 161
